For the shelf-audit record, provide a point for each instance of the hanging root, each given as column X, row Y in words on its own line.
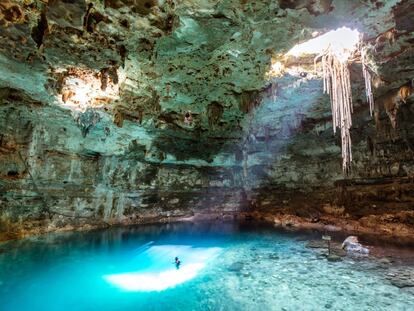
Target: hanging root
column 368, row 79
column 337, row 83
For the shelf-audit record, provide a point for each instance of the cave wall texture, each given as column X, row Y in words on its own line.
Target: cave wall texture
column 94, row 97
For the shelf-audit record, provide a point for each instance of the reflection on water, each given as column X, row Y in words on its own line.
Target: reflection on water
column 225, row 266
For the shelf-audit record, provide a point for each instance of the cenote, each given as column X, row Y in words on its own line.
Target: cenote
column 206, row 155
column 224, row 266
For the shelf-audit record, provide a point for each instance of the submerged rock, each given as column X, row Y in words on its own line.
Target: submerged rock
column 236, row 267
column 351, row 245
column 246, row 274
column 401, row 283
column 317, row 244
column 273, row 256
column 385, row 261
column 402, row 278
column 338, row 251
column 335, row 249
column 333, row 258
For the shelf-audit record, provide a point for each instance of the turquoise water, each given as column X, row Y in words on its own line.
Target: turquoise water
column 225, row 266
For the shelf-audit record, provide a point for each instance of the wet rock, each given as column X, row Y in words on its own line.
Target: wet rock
column 333, row 209
column 351, row 245
column 401, row 277
column 290, row 223
column 332, row 228
column 317, row 244
column 402, row 282
column 338, row 251
column 385, row 261
column 333, row 258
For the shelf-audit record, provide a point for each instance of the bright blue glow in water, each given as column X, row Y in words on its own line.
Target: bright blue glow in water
column 157, row 271
column 224, row 267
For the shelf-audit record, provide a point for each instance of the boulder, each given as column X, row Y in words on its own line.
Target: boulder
column 352, row 245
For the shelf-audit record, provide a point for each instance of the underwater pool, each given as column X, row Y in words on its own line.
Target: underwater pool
column 224, row 266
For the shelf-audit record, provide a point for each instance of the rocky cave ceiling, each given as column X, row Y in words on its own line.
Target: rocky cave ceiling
column 187, row 80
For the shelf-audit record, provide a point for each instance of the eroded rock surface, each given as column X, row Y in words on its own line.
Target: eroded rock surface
column 94, row 97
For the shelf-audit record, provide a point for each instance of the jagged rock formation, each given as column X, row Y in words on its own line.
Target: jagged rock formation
column 94, row 97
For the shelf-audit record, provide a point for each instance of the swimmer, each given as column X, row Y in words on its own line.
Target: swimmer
column 177, row 263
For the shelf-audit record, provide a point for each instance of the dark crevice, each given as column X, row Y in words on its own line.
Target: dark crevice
column 113, row 74
column 104, row 78
column 124, row 23
column 92, row 19
column 122, row 52
column 12, row 173
column 40, row 30
column 86, row 20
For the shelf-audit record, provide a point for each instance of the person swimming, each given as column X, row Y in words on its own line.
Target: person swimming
column 177, row 263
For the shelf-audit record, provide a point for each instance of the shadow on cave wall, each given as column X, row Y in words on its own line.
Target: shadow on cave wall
column 380, row 180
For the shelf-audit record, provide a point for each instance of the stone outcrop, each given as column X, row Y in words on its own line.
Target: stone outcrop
column 352, row 246
column 120, row 112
